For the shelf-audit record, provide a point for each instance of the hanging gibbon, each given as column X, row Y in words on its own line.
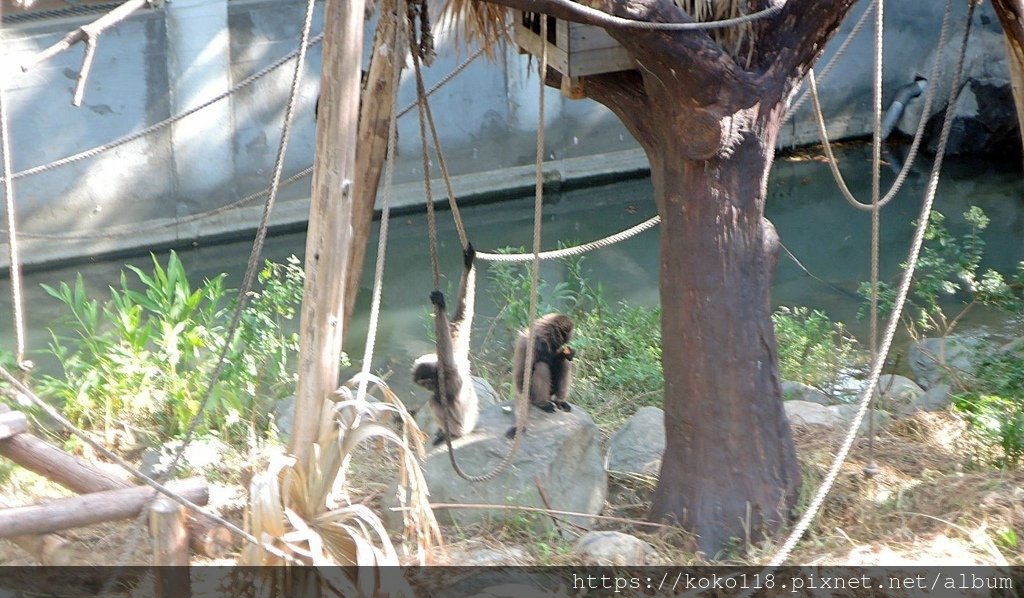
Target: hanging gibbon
column 457, row 411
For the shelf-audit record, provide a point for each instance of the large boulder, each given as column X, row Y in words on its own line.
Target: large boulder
column 845, row 413
column 562, row 450
column 942, row 360
column 936, row 398
column 834, row 416
column 485, row 393
column 808, row 413
column 637, row 446
column 897, row 392
column 798, row 391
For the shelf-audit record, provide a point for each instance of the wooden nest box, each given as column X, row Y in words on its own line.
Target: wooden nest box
column 574, row 50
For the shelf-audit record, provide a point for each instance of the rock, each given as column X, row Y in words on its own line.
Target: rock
column 201, row 456
column 637, row 446
column 798, row 391
column 936, row 398
column 897, row 392
column 485, row 393
column 284, row 417
column 808, row 413
column 946, row 359
column 486, row 557
column 985, row 120
column 563, row 449
column 844, row 416
column 612, row 548
column 834, row 416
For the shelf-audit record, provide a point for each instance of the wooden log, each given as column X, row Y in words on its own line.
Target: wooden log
column 371, row 148
column 170, row 549
column 50, row 549
column 329, row 238
column 97, row 507
column 207, row 537
column 11, row 423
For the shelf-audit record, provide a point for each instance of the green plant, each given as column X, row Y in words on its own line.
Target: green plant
column 994, row 407
column 948, row 268
column 618, row 351
column 813, row 349
column 139, row 363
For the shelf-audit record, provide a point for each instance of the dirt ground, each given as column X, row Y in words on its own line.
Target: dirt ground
column 929, row 504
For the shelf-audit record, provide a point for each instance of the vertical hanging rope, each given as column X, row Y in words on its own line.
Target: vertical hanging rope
column 397, row 55
column 523, row 405
column 894, row 318
column 17, row 305
column 876, row 166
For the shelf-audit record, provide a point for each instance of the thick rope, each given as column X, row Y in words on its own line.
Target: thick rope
column 522, row 402
column 603, row 19
column 398, row 54
column 99, row 149
column 918, row 135
column 876, row 208
column 894, row 318
column 428, row 115
column 575, row 250
column 17, row 302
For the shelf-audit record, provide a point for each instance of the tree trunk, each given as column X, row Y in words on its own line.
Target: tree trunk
column 729, row 446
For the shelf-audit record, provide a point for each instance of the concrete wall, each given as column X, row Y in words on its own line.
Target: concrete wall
column 164, row 61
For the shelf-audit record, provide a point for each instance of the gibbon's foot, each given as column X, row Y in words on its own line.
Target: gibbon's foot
column 563, row 405
column 468, row 255
column 437, row 298
column 511, row 434
column 549, row 408
column 440, row 437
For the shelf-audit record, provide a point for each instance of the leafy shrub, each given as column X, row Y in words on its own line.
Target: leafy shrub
column 994, row 407
column 813, row 349
column 948, row 268
column 139, row 363
column 949, row 275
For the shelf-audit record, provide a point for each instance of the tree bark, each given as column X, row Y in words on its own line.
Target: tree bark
column 372, row 145
column 329, row 238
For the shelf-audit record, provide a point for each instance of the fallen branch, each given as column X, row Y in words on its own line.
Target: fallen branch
column 87, row 509
column 90, row 35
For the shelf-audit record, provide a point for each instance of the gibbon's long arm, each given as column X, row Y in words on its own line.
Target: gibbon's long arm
column 445, row 351
column 462, row 322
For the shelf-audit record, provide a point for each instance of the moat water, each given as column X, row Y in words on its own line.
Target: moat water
column 828, row 237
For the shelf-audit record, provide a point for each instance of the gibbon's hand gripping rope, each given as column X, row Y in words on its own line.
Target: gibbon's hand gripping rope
column 521, row 404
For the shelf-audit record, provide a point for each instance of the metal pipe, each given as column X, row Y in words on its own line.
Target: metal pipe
column 903, row 97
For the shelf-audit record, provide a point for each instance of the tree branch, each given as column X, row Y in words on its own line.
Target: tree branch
column 90, row 34
column 791, row 42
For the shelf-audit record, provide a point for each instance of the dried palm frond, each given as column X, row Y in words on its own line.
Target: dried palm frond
column 308, row 514
column 485, row 24
column 476, row 22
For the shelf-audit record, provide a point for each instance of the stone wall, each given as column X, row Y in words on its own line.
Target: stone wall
column 166, row 60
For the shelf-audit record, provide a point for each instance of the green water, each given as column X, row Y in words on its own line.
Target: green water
column 828, row 237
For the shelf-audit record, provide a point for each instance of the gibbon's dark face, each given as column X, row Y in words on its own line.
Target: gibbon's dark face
column 424, row 371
